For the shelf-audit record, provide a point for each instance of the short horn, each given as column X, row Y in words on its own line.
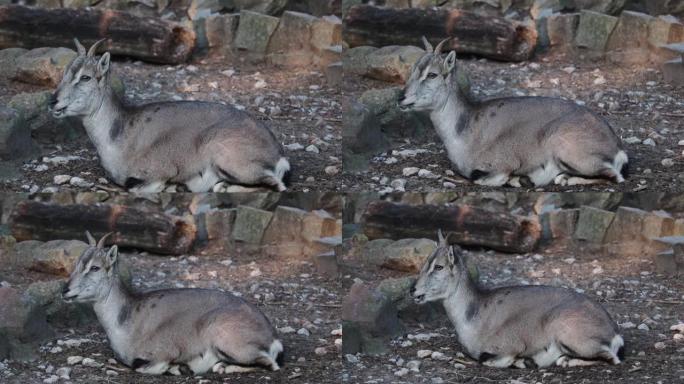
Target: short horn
column 79, row 47
column 428, row 46
column 91, row 240
column 438, row 49
column 101, row 243
column 93, row 48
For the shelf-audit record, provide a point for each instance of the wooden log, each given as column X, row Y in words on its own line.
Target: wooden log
column 145, row 38
column 154, row 232
column 493, row 37
column 465, row 225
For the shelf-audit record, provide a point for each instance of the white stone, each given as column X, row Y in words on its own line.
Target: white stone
column 410, row 171
column 286, row 330
column 427, row 174
column 294, row 147
column 79, row 182
column 321, row 351
column 678, row 327
column 423, row 353
column 61, row 179
column 312, row 148
column 649, row 141
column 413, row 365
column 303, row 332
column 402, row 372
column 332, row 170
column 72, row 360
column 667, row 163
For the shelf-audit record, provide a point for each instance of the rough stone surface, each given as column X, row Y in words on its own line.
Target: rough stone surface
column 664, row 30
column 673, row 72
column 250, row 224
column 15, row 135
column 317, row 224
column 369, row 318
column 293, row 33
column 8, row 61
column 592, row 224
column 326, row 32
column 219, row 225
column 561, row 29
column 334, row 74
column 56, row 257
column 631, row 32
column 362, row 137
column 594, row 30
column 43, row 66
column 393, row 63
column 559, row 224
column 286, row 226
column 255, row 31
column 404, row 255
column 23, row 324
column 326, row 264
column 221, row 31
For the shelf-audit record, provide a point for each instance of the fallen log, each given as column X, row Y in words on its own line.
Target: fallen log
column 465, row 225
column 146, row 38
column 154, row 232
column 493, row 37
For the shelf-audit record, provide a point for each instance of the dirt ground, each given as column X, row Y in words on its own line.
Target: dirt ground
column 298, row 105
column 628, row 288
column 634, row 99
column 288, row 291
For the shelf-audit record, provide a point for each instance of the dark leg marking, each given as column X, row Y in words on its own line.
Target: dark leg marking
column 124, row 314
column 485, row 356
column 477, row 175
column 569, row 350
column 137, row 363
column 133, row 182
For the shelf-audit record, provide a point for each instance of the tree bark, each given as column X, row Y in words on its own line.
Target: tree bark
column 465, row 225
column 493, row 37
column 154, row 232
column 149, row 39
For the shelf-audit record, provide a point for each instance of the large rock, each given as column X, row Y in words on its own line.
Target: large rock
column 665, row 30
column 23, row 324
column 673, row 72
column 291, row 41
column 664, row 7
column 286, row 226
column 594, row 30
column 406, row 255
column 561, row 29
column 631, row 32
column 219, row 225
column 221, row 31
column 43, row 66
column 670, row 261
column 559, row 224
column 610, row 7
column 15, row 135
column 592, row 224
column 255, row 31
column 56, row 257
column 317, row 224
column 369, row 319
column 362, row 137
column 392, row 63
column 394, row 122
column 326, row 32
column 8, row 61
column 250, row 224
column 268, row 7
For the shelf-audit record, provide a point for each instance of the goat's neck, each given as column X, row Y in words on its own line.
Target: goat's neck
column 99, row 123
column 108, row 308
column 446, row 117
column 456, row 304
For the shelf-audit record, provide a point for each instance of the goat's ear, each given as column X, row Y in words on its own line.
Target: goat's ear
column 449, row 62
column 112, row 256
column 427, row 45
column 103, row 65
column 91, row 240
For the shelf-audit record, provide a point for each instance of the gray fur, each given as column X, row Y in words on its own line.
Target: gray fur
column 198, row 144
column 545, row 139
column 511, row 325
column 202, row 329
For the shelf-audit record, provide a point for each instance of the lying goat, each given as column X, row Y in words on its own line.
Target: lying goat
column 172, row 330
column 517, row 326
column 144, row 147
column 497, row 141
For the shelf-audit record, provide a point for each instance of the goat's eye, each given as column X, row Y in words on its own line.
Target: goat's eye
column 432, row 75
column 438, row 267
column 94, row 268
column 85, row 78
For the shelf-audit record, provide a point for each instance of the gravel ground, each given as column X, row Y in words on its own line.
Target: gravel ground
column 288, row 291
column 645, row 304
column 647, row 113
column 298, row 105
